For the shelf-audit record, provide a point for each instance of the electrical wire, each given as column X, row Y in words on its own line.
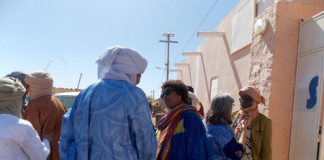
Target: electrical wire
column 159, row 86
column 196, row 31
column 167, row 14
column 176, row 27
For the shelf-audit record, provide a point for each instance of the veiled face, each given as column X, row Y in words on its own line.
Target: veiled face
column 171, row 98
column 246, row 101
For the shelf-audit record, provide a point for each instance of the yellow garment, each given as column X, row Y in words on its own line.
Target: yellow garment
column 261, row 136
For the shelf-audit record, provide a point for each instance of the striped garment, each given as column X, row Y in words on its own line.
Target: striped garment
column 182, row 134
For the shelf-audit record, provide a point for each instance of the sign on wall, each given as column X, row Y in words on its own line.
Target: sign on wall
column 307, row 107
column 308, row 92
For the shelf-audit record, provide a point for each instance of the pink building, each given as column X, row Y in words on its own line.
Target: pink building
column 236, row 55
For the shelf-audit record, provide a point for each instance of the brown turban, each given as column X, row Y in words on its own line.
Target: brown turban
column 41, row 84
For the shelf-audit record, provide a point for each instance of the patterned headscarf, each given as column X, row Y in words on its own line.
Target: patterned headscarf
column 11, row 91
column 121, row 64
column 41, row 83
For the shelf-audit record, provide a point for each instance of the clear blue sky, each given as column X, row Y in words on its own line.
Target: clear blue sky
column 32, row 32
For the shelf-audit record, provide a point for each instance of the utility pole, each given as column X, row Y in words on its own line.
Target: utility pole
column 152, row 94
column 168, row 35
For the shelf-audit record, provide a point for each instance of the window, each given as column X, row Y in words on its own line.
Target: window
column 214, row 85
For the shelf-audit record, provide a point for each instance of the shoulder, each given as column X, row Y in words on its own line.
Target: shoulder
column 191, row 118
column 218, row 129
column 190, row 114
column 264, row 118
column 236, row 113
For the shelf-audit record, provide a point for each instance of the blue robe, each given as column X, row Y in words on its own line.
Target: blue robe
column 108, row 120
column 189, row 141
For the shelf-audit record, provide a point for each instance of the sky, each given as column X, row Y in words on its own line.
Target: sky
column 66, row 37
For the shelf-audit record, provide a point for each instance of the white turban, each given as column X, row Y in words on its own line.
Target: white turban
column 121, row 64
column 40, row 82
column 11, row 91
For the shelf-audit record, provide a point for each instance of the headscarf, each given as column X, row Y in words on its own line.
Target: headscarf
column 121, row 64
column 21, row 77
column 254, row 93
column 194, row 100
column 41, row 83
column 11, row 91
column 167, row 125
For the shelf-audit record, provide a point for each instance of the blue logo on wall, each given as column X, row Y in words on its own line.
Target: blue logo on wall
column 312, row 93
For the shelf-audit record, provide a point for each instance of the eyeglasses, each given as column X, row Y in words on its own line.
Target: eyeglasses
column 167, row 92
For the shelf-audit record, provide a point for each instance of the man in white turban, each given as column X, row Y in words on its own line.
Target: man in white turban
column 111, row 119
column 44, row 111
column 18, row 138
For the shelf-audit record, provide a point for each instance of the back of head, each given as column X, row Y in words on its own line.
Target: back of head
column 220, row 109
column 11, row 91
column 121, row 64
column 41, row 83
column 17, row 74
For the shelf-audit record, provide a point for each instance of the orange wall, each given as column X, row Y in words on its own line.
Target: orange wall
column 269, row 63
column 273, row 67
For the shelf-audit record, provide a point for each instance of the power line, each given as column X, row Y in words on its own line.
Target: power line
column 195, row 31
column 181, row 15
column 187, row 26
column 167, row 14
column 161, row 81
column 185, row 31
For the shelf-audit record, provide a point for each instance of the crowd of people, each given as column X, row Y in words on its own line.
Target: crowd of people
column 111, row 119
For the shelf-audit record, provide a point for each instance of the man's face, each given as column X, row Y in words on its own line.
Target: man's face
column 138, row 78
column 245, row 101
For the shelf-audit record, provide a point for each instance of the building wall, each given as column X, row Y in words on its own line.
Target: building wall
column 273, row 67
column 232, row 70
column 61, row 90
column 269, row 63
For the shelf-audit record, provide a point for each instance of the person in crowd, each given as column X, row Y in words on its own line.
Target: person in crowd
column 181, row 132
column 259, row 131
column 18, row 138
column 44, row 111
column 111, row 118
column 194, row 101
column 21, row 77
column 217, row 123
